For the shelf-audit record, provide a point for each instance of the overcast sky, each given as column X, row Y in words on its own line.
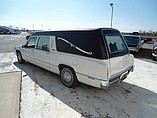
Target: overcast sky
column 129, row 15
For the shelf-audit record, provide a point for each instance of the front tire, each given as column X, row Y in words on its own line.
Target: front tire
column 68, row 77
column 20, row 58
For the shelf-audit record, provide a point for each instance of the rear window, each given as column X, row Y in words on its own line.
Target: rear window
column 115, row 43
column 131, row 39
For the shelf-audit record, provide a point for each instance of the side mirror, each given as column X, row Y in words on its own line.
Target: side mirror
column 27, row 37
column 23, row 46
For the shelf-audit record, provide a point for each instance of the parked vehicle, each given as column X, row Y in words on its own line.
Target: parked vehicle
column 3, row 30
column 147, row 40
column 135, row 33
column 154, row 52
column 134, row 42
column 98, row 57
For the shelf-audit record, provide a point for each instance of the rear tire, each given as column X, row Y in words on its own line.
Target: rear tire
column 20, row 58
column 68, row 77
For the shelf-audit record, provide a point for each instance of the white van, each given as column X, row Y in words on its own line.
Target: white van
column 98, row 57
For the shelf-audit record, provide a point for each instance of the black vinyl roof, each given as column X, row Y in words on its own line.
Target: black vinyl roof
column 49, row 33
column 90, row 40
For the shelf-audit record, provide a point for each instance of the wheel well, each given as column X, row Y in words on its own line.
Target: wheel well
column 17, row 51
column 61, row 66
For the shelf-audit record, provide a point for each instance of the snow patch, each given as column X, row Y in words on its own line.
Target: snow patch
column 7, row 62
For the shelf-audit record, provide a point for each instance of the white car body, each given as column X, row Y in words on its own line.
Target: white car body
column 95, row 72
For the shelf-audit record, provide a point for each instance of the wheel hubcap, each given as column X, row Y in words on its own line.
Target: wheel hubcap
column 67, row 76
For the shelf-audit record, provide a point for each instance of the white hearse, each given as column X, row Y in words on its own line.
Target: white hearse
column 97, row 57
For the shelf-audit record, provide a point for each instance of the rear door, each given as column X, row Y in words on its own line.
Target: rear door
column 53, row 55
column 42, row 52
column 117, row 50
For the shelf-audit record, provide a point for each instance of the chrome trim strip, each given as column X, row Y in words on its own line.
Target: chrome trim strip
column 72, row 45
column 90, row 77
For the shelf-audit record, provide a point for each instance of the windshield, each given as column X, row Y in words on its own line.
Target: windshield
column 115, row 43
column 131, row 39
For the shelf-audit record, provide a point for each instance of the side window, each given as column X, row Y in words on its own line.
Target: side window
column 43, row 44
column 32, row 41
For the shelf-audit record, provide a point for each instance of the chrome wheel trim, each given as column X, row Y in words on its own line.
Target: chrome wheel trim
column 67, row 77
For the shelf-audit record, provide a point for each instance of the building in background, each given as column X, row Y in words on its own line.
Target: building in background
column 9, row 30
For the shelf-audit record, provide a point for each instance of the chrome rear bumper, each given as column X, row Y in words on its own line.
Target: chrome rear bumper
column 117, row 78
column 120, row 76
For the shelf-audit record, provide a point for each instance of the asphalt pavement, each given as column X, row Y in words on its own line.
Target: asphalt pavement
column 10, row 81
column 145, row 53
column 8, row 42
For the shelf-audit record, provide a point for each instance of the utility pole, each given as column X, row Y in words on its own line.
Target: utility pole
column 42, row 27
column 111, row 5
column 33, row 27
